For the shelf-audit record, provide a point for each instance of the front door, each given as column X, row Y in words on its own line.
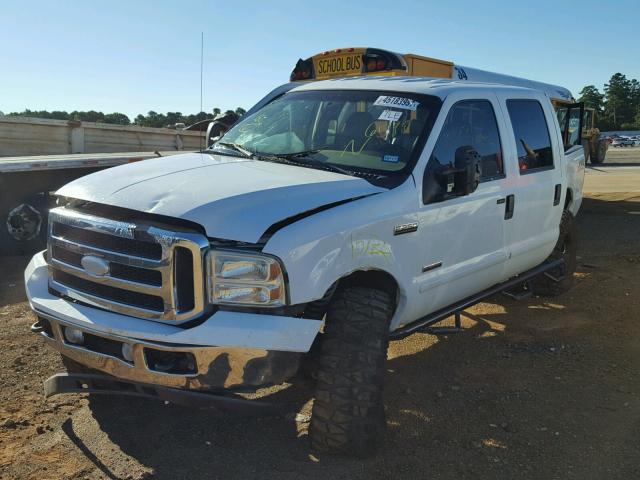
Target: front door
column 463, row 236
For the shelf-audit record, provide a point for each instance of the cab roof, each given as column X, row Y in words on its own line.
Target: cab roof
column 424, row 85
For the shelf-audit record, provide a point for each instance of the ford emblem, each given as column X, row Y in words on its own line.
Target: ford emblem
column 96, row 266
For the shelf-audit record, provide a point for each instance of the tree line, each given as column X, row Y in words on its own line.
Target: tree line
column 151, row 119
column 617, row 106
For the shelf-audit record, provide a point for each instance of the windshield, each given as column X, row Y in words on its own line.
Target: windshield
column 354, row 130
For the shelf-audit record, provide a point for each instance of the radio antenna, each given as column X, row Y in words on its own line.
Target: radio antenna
column 201, row 72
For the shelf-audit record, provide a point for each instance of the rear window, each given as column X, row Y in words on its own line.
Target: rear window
column 531, row 135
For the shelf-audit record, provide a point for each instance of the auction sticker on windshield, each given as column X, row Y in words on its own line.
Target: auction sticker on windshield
column 397, row 102
column 390, row 115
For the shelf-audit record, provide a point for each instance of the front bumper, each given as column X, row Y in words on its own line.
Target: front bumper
column 228, row 350
column 103, row 384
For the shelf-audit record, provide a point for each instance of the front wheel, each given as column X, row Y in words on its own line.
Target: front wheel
column 348, row 412
column 558, row 281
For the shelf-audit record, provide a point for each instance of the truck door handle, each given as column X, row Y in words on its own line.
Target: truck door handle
column 509, row 207
column 557, row 193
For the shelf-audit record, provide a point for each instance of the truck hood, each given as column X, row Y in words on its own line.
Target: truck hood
column 232, row 198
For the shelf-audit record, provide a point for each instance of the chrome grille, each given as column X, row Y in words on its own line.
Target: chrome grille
column 150, row 272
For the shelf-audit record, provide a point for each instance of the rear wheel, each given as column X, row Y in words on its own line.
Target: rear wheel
column 348, row 412
column 558, row 281
column 600, row 153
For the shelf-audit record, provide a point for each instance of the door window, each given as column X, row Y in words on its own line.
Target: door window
column 468, row 123
column 531, row 135
column 569, row 119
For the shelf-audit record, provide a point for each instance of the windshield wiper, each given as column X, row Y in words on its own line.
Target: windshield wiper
column 304, row 158
column 320, row 164
column 238, row 148
column 302, row 154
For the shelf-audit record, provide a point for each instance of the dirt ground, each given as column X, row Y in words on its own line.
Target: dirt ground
column 539, row 389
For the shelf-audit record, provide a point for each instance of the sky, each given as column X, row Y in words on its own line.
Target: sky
column 135, row 56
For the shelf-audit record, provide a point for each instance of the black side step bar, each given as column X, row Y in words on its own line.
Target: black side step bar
column 457, row 326
column 520, row 292
column 104, row 384
column 424, row 323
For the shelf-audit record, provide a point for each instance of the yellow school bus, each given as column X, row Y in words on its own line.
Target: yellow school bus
column 351, row 62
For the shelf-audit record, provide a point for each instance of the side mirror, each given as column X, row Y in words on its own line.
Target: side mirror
column 467, row 175
column 215, row 131
column 463, row 176
column 210, row 140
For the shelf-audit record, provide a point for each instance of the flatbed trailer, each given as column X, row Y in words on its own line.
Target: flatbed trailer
column 25, row 186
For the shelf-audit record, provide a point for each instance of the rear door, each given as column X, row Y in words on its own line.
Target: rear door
column 534, row 197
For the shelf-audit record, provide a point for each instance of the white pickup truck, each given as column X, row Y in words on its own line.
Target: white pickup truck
column 339, row 215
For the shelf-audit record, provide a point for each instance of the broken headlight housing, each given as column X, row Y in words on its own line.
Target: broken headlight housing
column 248, row 279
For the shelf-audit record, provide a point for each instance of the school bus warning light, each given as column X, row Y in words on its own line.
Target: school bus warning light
column 348, row 62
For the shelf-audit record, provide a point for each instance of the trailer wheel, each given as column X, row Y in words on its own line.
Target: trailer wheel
column 23, row 215
column 23, row 226
column 548, row 284
column 348, row 412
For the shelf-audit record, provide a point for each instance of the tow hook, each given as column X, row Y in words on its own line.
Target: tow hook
column 38, row 327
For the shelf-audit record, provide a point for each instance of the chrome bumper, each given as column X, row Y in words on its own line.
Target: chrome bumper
column 193, row 368
column 228, row 350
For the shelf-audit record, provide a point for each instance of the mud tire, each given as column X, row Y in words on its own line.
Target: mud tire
column 348, row 414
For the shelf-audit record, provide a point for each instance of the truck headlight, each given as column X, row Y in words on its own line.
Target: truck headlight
column 238, row 278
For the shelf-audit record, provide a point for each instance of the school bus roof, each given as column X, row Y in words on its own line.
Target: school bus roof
column 349, row 62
